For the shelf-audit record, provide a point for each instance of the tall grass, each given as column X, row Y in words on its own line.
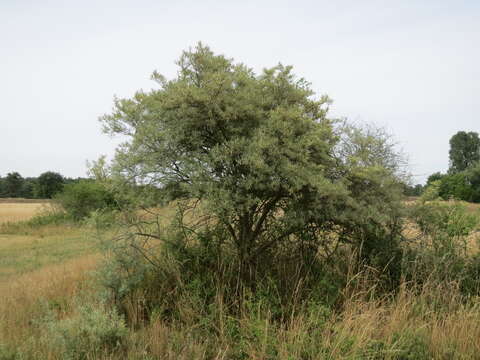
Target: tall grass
column 433, row 321
column 25, row 298
column 131, row 308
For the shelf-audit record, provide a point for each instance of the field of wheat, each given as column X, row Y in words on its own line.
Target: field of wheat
column 12, row 210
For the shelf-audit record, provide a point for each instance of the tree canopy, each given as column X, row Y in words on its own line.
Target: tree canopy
column 462, row 180
column 13, row 185
column 464, row 151
column 45, row 186
column 260, row 153
column 48, row 184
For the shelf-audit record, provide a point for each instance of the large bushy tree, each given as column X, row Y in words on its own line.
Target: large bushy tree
column 271, row 170
column 464, row 151
column 435, row 177
column 81, row 198
column 48, row 184
column 464, row 185
column 13, row 185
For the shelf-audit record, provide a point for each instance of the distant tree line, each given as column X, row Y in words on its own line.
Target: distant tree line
column 45, row 186
column 462, row 180
column 413, row 190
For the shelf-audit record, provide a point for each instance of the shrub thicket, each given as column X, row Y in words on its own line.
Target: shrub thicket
column 441, row 251
column 463, row 185
column 81, row 198
column 267, row 185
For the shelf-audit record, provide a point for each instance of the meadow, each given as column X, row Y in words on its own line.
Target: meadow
column 25, row 247
column 12, row 210
column 49, row 286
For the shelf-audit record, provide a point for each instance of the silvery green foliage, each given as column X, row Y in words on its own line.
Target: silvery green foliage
column 464, row 151
column 366, row 145
column 432, row 191
column 94, row 330
column 258, row 150
column 123, row 271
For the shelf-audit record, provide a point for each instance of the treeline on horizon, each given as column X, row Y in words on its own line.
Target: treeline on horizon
column 45, row 186
column 50, row 183
column 462, row 180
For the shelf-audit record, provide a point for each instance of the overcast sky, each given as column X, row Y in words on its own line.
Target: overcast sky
column 411, row 66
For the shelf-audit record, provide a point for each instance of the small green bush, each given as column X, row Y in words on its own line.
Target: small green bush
column 403, row 346
column 125, row 274
column 93, row 331
column 411, row 346
column 456, row 186
column 440, row 253
column 7, row 353
column 51, row 218
column 431, row 191
column 31, row 225
column 470, row 283
column 446, row 224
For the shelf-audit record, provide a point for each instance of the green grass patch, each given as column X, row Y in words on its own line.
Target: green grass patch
column 23, row 253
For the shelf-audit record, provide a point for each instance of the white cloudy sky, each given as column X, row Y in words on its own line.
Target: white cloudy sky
column 411, row 66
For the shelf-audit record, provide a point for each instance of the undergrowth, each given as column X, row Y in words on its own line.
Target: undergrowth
column 167, row 298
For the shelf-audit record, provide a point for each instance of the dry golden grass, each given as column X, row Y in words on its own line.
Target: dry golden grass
column 18, row 211
column 447, row 325
column 40, row 266
column 412, row 232
column 33, row 248
column 22, row 297
column 449, row 332
column 454, row 325
column 393, row 324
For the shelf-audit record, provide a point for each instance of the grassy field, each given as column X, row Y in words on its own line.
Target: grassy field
column 19, row 210
column 49, row 268
column 23, row 253
column 24, row 248
column 37, row 264
column 25, row 296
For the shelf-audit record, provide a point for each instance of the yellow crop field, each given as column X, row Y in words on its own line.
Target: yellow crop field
column 12, row 211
